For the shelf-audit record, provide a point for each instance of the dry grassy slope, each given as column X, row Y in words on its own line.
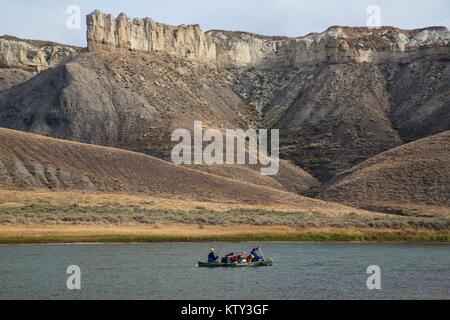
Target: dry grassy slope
column 405, row 179
column 289, row 176
column 123, row 99
column 33, row 161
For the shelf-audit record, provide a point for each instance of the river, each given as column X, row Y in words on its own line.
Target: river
column 169, row 271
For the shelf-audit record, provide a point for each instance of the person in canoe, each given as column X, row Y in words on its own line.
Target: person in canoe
column 227, row 257
column 212, row 258
column 255, row 255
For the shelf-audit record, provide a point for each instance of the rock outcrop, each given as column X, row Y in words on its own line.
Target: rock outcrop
column 240, row 49
column 104, row 31
column 335, row 45
column 22, row 59
column 32, row 55
column 360, row 45
column 343, row 95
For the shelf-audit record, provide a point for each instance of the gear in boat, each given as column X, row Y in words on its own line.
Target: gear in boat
column 242, row 259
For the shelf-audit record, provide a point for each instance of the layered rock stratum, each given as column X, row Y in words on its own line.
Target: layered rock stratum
column 241, row 49
column 105, row 31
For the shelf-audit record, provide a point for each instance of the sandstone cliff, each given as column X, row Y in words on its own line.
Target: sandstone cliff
column 240, row 49
column 21, row 59
column 104, row 31
column 335, row 45
column 31, row 54
column 359, row 45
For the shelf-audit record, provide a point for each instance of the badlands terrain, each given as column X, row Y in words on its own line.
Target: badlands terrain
column 363, row 114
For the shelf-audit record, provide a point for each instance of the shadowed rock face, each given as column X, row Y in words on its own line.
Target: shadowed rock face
column 346, row 94
column 333, row 116
column 338, row 97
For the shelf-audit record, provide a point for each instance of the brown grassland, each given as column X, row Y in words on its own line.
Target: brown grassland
column 40, row 216
column 183, row 233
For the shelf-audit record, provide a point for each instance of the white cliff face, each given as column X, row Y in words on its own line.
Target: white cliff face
column 430, row 37
column 359, row 45
column 336, row 45
column 240, row 49
column 17, row 53
column 146, row 35
column 32, row 56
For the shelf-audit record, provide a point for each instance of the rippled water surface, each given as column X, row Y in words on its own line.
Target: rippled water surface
column 169, row 271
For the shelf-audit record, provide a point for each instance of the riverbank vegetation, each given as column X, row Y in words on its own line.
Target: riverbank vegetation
column 47, row 217
column 11, row 234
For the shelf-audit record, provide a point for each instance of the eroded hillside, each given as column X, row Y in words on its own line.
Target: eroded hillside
column 338, row 97
column 403, row 180
column 130, row 100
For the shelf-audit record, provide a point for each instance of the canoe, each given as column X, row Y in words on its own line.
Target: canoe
column 266, row 263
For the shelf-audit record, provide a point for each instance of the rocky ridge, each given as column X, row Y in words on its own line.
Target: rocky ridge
column 241, row 49
column 105, row 31
column 335, row 45
column 32, row 55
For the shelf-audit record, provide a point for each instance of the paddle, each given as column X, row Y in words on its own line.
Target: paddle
column 262, row 253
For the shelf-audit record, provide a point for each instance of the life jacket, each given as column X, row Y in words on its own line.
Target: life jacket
column 212, row 257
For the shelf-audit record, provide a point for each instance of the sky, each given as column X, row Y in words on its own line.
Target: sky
column 48, row 19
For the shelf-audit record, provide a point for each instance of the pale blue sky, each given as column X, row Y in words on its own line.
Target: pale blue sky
column 46, row 19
